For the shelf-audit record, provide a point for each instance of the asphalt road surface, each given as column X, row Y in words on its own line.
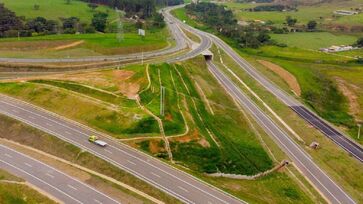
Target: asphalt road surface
column 300, row 158
column 50, row 180
column 175, row 182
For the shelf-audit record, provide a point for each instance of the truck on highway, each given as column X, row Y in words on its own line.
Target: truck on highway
column 94, row 139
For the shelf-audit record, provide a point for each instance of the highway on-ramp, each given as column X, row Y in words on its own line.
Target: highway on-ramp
column 175, row 182
column 50, row 180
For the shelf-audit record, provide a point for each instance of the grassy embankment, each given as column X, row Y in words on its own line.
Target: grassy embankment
column 18, row 192
column 218, row 130
column 105, row 110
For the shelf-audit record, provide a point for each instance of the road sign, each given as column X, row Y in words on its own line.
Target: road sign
column 141, row 32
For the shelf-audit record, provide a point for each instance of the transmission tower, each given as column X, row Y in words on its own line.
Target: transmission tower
column 120, row 26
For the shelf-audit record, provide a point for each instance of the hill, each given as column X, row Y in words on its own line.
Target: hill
column 56, row 9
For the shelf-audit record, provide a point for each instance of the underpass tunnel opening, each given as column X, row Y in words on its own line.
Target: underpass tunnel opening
column 208, row 55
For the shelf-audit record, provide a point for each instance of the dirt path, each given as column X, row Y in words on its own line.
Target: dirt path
column 73, row 44
column 161, row 127
column 285, row 75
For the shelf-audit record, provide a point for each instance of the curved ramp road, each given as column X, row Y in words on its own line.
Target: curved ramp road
column 50, row 180
column 177, row 183
column 300, row 158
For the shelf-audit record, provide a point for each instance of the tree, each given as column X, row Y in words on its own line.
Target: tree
column 291, row 21
column 68, row 1
column 312, row 25
column 36, row 6
column 158, row 20
column 99, row 21
column 10, row 24
column 93, row 6
column 359, row 42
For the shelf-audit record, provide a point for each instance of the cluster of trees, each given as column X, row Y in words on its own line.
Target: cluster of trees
column 224, row 22
column 13, row 26
column 275, row 7
column 142, row 8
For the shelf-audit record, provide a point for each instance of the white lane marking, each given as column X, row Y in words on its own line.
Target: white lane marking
column 50, row 175
column 102, row 156
column 48, row 124
column 97, row 201
column 8, row 155
column 28, row 164
column 155, row 174
column 108, row 151
column 95, row 190
column 183, row 189
column 68, row 133
column 133, row 163
column 59, row 190
column 72, row 187
column 240, row 96
column 15, row 111
column 31, row 117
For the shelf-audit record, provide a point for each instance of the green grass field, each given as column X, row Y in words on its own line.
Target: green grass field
column 91, row 44
column 313, row 40
column 56, row 9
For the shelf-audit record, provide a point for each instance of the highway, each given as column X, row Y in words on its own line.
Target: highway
column 175, row 182
column 300, row 158
column 328, row 130
column 49, row 179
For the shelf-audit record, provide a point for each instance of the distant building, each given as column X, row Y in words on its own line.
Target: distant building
column 336, row 48
column 346, row 13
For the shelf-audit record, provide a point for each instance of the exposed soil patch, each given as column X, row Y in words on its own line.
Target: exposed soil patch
column 127, row 88
column 74, row 44
column 193, row 136
column 348, row 91
column 285, row 75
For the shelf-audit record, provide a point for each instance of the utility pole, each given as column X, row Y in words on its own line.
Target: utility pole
column 162, row 95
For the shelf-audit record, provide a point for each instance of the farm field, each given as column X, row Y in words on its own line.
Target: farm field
column 304, row 13
column 73, row 45
column 56, row 9
column 313, row 40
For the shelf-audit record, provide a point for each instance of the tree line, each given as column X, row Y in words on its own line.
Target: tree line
column 12, row 25
column 143, row 8
column 224, row 22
